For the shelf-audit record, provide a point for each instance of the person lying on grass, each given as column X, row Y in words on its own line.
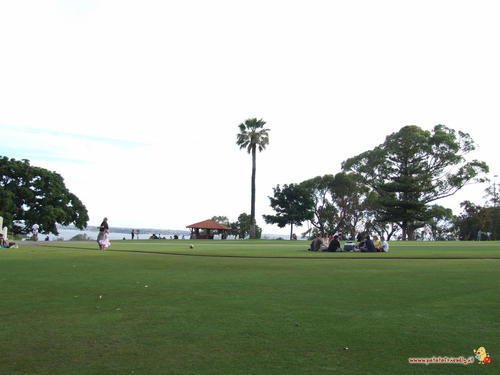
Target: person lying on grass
column 4, row 243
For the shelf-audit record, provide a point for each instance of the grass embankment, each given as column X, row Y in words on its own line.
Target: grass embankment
column 203, row 315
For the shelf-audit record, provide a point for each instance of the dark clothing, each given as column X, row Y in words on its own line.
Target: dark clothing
column 315, row 244
column 104, row 226
column 102, row 229
column 369, row 247
column 334, row 245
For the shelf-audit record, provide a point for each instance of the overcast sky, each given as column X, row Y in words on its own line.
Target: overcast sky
column 137, row 103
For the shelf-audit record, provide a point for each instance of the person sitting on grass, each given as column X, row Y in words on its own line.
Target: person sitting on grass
column 334, row 245
column 361, row 242
column 368, row 247
column 376, row 242
column 315, row 244
column 384, row 246
column 324, row 242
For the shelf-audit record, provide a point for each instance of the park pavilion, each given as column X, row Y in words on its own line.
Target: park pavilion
column 208, row 226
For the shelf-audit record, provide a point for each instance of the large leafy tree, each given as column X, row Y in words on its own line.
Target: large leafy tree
column 339, row 202
column 293, row 205
column 323, row 210
column 473, row 219
column 440, row 226
column 492, row 205
column 241, row 228
column 221, row 220
column 375, row 222
column 476, row 218
column 413, row 168
column 33, row 195
column 253, row 136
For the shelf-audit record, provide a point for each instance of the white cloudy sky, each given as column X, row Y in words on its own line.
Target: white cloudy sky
column 136, row 103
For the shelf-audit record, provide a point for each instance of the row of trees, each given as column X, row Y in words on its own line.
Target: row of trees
column 390, row 189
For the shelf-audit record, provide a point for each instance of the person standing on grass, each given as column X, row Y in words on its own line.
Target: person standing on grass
column 479, row 235
column 102, row 231
column 35, row 228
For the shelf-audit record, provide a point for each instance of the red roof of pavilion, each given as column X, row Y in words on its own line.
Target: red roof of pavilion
column 208, row 224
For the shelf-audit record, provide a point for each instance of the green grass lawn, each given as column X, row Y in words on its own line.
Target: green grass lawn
column 164, row 314
column 294, row 249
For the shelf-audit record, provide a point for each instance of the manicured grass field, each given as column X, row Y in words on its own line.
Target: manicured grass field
column 74, row 310
column 294, row 249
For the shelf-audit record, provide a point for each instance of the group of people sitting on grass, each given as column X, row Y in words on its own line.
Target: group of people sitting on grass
column 332, row 244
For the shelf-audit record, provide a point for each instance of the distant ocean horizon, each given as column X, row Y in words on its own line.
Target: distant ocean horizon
column 67, row 233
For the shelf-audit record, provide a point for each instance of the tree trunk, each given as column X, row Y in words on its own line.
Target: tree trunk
column 291, row 231
column 252, row 211
column 404, row 228
column 411, row 234
column 391, row 232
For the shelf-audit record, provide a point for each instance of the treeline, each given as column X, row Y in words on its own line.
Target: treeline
column 391, row 190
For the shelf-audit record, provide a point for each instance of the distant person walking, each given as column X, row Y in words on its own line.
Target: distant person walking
column 479, row 235
column 35, row 228
column 102, row 231
column 132, row 234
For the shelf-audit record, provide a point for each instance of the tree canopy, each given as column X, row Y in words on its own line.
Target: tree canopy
column 413, row 168
column 293, row 205
column 33, row 195
column 241, row 228
column 339, row 202
column 475, row 218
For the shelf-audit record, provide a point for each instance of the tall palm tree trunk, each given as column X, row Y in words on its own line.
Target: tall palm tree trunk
column 252, row 211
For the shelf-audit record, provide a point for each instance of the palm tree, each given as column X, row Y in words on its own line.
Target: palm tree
column 253, row 135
